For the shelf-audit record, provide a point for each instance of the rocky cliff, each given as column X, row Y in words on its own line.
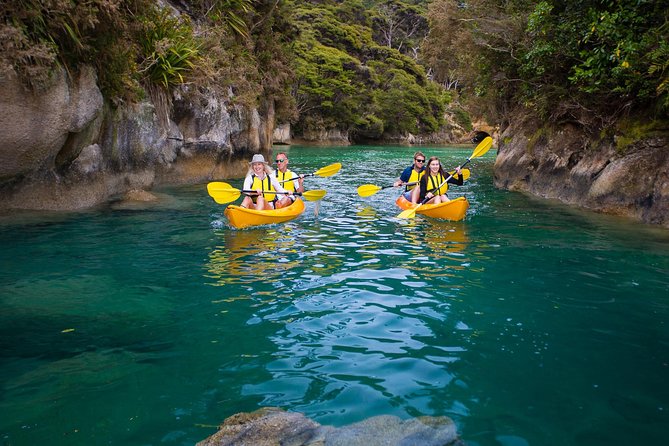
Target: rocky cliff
column 565, row 164
column 66, row 148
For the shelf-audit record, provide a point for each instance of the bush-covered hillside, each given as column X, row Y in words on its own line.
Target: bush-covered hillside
column 138, row 46
column 357, row 69
column 591, row 62
column 373, row 68
column 326, row 64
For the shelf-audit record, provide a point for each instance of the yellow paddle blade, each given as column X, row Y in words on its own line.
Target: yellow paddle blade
column 222, row 192
column 482, row 147
column 465, row 174
column 408, row 213
column 218, row 185
column 225, row 196
column 328, row 170
column 314, row 195
column 367, row 190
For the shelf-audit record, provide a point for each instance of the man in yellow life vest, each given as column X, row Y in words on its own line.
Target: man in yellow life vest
column 289, row 180
column 412, row 175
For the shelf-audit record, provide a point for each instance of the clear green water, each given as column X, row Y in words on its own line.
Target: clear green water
column 528, row 323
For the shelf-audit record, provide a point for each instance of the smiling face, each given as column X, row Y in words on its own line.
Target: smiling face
column 258, row 169
column 434, row 167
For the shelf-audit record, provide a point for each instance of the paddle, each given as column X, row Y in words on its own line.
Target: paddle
column 367, row 190
column 481, row 149
column 224, row 193
column 326, row 171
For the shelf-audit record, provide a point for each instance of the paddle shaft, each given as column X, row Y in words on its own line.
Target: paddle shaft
column 265, row 192
column 296, row 178
column 403, row 184
column 323, row 171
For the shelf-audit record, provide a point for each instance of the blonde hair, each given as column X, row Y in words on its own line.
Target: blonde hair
column 268, row 170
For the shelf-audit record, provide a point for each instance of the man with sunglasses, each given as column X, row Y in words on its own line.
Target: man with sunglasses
column 289, row 180
column 412, row 174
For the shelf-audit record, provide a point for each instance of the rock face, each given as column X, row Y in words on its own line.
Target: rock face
column 65, row 148
column 273, row 427
column 565, row 166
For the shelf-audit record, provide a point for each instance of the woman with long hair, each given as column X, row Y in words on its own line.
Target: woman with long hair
column 432, row 185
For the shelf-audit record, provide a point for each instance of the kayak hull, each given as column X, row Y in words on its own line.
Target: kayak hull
column 453, row 210
column 240, row 217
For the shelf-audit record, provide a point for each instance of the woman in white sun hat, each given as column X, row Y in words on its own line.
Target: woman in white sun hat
column 260, row 179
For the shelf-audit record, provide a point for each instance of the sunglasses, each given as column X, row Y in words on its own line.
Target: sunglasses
column 280, row 161
column 419, row 161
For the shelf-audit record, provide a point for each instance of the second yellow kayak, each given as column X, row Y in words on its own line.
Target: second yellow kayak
column 240, row 217
column 453, row 210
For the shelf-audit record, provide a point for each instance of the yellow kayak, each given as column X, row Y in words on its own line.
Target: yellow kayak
column 453, row 210
column 240, row 217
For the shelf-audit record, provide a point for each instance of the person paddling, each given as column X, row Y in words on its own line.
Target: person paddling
column 260, row 179
column 429, row 186
column 412, row 174
column 289, row 180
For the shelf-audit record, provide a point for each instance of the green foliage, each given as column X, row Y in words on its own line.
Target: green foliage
column 168, row 48
column 630, row 130
column 230, row 13
column 462, row 117
column 580, row 61
column 351, row 81
column 239, row 45
column 369, row 127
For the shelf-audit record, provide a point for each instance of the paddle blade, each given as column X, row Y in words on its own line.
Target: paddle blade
column 222, row 192
column 328, row 170
column 482, row 148
column 314, row 195
column 408, row 213
column 218, row 185
column 225, row 196
column 367, row 190
column 465, row 174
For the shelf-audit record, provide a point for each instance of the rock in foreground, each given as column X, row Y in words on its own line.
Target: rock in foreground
column 273, row 427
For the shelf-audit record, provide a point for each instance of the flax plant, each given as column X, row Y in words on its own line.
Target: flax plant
column 169, row 49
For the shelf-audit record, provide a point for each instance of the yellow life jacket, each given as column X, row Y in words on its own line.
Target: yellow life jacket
column 434, row 181
column 283, row 176
column 415, row 178
column 264, row 185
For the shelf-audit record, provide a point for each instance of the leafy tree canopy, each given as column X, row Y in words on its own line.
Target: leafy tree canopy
column 564, row 60
column 352, row 78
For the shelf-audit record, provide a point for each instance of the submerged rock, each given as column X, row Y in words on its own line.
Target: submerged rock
column 273, row 427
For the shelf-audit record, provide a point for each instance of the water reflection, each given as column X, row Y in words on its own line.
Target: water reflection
column 368, row 297
column 251, row 256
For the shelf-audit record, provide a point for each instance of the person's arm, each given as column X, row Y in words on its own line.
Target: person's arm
column 404, row 176
column 248, row 182
column 457, row 178
column 422, row 185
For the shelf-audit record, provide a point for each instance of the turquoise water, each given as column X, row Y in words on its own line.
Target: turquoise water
column 528, row 323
